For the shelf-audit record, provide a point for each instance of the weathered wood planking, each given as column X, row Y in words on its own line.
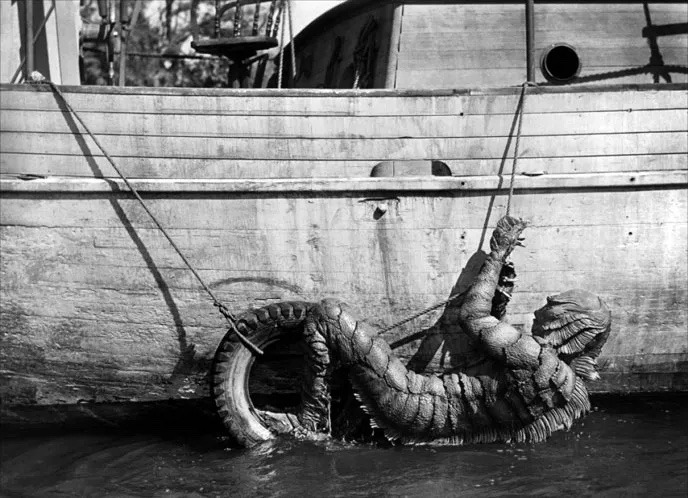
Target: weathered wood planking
column 483, row 44
column 141, row 167
column 92, row 292
column 338, row 127
column 95, row 306
column 313, row 102
column 510, row 58
column 348, row 148
column 205, row 134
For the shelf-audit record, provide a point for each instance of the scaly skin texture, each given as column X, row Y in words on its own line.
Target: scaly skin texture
column 537, row 385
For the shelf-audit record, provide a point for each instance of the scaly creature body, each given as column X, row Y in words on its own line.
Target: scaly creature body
column 537, row 383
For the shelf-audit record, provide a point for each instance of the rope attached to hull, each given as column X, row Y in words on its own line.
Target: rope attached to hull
column 519, row 115
column 520, row 110
column 38, row 79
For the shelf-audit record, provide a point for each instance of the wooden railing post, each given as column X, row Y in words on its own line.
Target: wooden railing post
column 29, row 38
column 530, row 41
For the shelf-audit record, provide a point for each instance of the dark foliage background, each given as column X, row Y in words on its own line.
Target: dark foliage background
column 158, row 48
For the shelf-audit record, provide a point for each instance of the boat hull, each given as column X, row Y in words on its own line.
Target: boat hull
column 97, row 307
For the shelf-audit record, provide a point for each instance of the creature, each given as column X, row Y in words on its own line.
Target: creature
column 536, row 384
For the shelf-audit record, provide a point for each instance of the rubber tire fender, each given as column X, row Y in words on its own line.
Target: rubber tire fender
column 232, row 367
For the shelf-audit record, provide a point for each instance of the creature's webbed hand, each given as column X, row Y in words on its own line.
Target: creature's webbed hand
column 506, row 236
column 504, row 290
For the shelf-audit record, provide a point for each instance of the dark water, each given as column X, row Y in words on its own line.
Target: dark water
column 627, row 447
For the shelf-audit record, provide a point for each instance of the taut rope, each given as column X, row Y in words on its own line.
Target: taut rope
column 423, row 312
column 519, row 115
column 520, row 111
column 37, row 78
column 286, row 5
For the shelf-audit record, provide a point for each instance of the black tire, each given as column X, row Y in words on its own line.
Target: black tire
column 232, row 367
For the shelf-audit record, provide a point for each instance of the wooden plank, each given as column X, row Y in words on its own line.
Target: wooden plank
column 349, row 126
column 463, row 17
column 144, row 304
column 143, row 307
column 384, row 184
column 499, row 39
column 458, row 78
column 139, row 301
column 347, row 148
column 216, row 92
column 332, row 102
column 354, row 209
column 110, row 251
column 612, row 19
column 135, row 167
column 514, row 58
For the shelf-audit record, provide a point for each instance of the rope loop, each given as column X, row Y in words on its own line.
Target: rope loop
column 225, row 312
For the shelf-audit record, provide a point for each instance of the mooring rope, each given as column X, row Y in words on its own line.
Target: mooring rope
column 286, row 5
column 520, row 110
column 423, row 312
column 38, row 78
column 292, row 46
column 519, row 116
column 280, row 74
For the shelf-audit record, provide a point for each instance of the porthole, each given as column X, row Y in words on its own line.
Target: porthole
column 560, row 63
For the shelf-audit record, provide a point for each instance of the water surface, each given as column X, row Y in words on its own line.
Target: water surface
column 627, row 447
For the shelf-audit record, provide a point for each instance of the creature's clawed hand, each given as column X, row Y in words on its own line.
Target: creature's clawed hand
column 507, row 236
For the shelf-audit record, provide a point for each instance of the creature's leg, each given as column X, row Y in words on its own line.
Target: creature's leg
column 314, row 414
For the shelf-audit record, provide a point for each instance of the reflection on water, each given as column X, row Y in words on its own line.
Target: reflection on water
column 627, row 447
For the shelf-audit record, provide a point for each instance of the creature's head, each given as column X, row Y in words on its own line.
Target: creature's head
column 576, row 323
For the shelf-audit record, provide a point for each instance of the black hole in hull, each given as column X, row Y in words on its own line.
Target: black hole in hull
column 560, row 63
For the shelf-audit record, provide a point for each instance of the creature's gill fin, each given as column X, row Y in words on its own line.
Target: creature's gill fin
column 586, row 367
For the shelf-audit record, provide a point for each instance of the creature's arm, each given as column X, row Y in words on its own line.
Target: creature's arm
column 523, row 355
column 476, row 314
